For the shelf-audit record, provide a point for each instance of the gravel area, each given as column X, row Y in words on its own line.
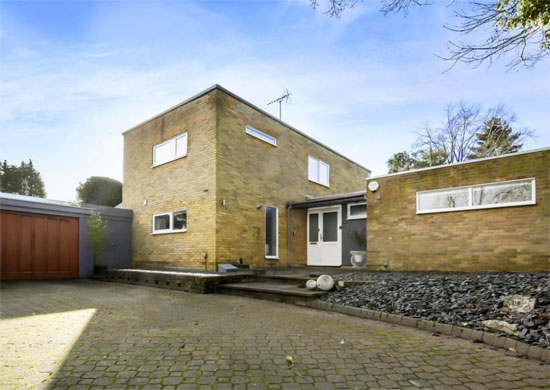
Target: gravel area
column 464, row 299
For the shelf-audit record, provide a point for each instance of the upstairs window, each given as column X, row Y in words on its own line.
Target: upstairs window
column 170, row 222
column 260, row 135
column 170, row 150
column 318, row 171
column 482, row 196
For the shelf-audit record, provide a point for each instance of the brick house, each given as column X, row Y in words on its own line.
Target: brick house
column 216, row 179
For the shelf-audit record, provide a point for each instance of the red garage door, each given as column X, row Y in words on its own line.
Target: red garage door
column 38, row 246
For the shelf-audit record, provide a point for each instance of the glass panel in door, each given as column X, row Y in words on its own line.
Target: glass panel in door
column 313, row 228
column 330, row 227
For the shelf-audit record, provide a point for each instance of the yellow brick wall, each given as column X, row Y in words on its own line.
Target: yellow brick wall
column 189, row 182
column 254, row 173
column 501, row 239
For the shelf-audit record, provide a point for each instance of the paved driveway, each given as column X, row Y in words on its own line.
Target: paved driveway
column 85, row 334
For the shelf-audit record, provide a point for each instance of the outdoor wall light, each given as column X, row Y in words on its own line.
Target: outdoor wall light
column 205, row 255
column 258, row 206
column 223, row 202
column 308, row 196
column 145, row 202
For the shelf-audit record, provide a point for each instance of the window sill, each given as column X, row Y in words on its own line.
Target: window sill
column 361, row 217
column 168, row 232
column 321, row 184
column 272, row 257
column 169, row 161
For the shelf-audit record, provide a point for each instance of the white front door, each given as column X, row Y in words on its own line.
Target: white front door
column 324, row 236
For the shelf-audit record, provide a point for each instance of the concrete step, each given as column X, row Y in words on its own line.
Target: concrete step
column 294, row 279
column 271, row 291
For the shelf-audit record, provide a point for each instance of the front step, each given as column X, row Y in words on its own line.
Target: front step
column 271, row 291
column 294, row 279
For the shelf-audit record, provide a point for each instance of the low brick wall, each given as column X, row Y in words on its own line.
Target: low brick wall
column 202, row 283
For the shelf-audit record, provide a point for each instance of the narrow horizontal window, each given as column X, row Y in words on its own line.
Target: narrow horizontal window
column 318, row 171
column 170, row 150
column 170, row 222
column 503, row 193
column 482, row 196
column 357, row 210
column 261, row 135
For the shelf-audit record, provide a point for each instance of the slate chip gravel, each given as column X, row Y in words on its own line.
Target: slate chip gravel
column 464, row 299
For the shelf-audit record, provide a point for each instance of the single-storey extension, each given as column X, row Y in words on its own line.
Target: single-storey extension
column 491, row 214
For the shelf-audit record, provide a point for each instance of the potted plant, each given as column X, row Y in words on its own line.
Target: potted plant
column 358, row 258
column 99, row 232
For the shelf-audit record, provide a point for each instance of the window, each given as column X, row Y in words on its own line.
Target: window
column 357, row 210
column 171, row 222
column 170, row 150
column 318, row 171
column 482, row 196
column 263, row 136
column 271, row 232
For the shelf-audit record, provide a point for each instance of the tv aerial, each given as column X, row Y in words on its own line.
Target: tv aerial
column 285, row 98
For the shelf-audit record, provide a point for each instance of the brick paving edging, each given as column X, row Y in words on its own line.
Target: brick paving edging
column 521, row 348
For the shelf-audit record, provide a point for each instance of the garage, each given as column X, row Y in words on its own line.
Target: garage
column 38, row 246
column 50, row 239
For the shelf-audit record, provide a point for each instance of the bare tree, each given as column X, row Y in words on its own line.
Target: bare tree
column 455, row 139
column 464, row 135
column 525, row 37
column 519, row 29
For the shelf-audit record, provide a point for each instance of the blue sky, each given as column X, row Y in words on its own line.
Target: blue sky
column 75, row 74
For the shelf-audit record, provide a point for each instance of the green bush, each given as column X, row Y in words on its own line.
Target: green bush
column 100, row 190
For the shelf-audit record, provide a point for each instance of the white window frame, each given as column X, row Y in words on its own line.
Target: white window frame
column 471, row 206
column 172, row 141
column 260, row 135
column 276, row 256
column 362, row 216
column 319, row 162
column 171, row 229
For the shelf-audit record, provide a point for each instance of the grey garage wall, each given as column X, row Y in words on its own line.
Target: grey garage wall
column 118, row 253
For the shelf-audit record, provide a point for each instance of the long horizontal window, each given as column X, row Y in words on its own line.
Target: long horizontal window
column 170, row 222
column 482, row 196
column 260, row 135
column 318, row 171
column 170, row 149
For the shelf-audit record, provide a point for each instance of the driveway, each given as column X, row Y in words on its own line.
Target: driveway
column 87, row 334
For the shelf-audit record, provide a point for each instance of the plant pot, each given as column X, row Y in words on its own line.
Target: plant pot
column 358, row 259
column 98, row 269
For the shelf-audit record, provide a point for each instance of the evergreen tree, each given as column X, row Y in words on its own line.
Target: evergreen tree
column 22, row 180
column 100, row 190
column 496, row 138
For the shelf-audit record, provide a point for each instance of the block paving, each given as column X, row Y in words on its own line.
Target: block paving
column 95, row 335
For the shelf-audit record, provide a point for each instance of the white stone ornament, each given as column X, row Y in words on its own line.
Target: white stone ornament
column 311, row 284
column 373, row 186
column 519, row 303
column 325, row 282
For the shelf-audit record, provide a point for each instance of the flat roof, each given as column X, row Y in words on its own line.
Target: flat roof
column 458, row 163
column 219, row 87
column 328, row 198
column 36, row 199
